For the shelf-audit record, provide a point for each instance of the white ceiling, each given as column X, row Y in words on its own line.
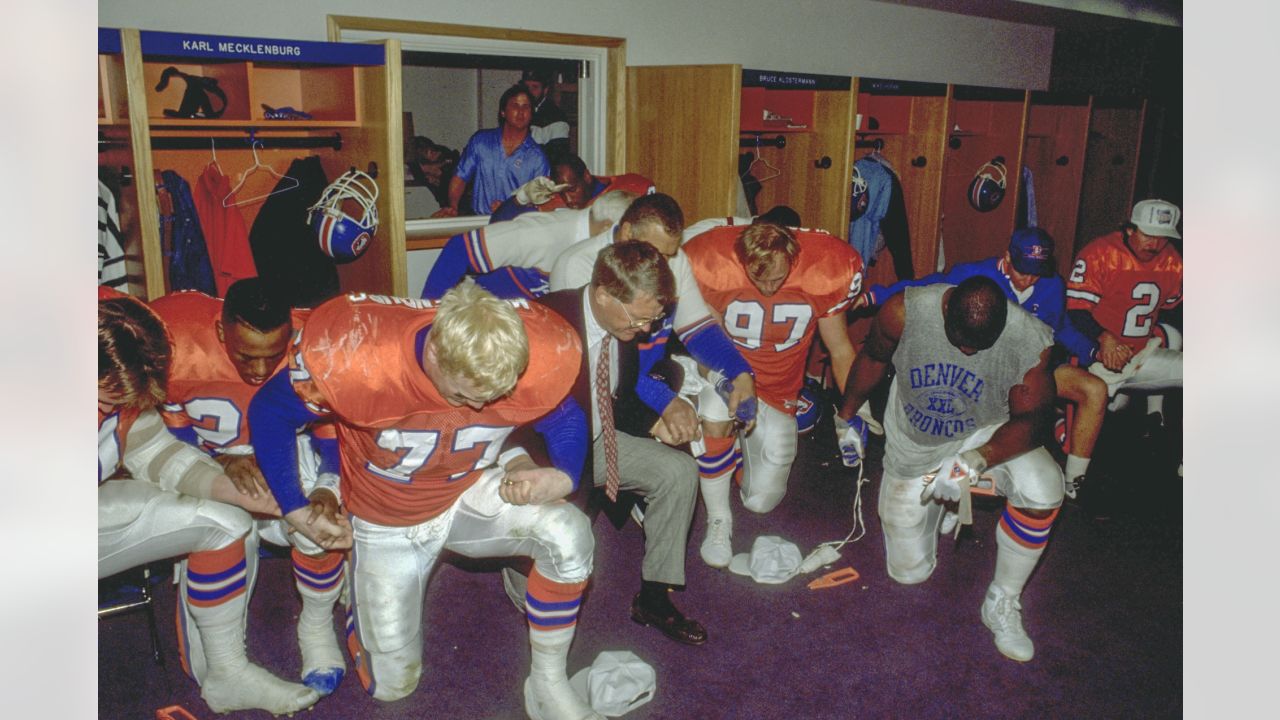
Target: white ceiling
column 1078, row 14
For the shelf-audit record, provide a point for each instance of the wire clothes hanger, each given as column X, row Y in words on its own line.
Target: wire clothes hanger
column 258, row 165
column 213, row 151
column 760, row 159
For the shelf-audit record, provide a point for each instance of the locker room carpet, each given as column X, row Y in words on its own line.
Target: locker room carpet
column 1104, row 608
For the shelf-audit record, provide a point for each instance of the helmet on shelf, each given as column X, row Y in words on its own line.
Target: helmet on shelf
column 345, row 218
column 986, row 190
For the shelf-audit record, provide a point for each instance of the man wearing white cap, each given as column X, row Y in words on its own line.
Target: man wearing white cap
column 1119, row 286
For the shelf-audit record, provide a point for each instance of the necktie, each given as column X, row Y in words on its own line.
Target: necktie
column 604, row 406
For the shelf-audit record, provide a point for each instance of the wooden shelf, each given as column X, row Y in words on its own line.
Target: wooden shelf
column 259, row 125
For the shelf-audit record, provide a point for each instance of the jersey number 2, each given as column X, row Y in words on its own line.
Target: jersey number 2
column 1137, row 322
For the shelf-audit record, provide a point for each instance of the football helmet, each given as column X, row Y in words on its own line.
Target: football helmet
column 857, row 195
column 808, row 410
column 345, row 218
column 986, row 190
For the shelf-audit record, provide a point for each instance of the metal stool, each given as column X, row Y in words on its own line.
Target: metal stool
column 145, row 601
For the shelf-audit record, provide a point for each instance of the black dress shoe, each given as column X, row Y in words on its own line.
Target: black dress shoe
column 673, row 624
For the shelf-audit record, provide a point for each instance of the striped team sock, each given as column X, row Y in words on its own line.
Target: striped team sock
column 1020, row 540
column 210, row 580
column 552, row 605
column 319, row 580
column 719, row 458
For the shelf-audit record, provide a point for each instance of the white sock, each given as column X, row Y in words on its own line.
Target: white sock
column 232, row 682
column 1077, row 466
column 1155, row 404
column 715, row 495
column 548, row 695
column 1014, row 563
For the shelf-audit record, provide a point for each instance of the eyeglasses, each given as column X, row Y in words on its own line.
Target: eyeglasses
column 634, row 324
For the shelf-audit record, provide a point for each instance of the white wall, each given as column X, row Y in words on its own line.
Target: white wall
column 443, row 103
column 838, row 37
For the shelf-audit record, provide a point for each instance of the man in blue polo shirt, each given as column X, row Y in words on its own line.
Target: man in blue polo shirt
column 498, row 160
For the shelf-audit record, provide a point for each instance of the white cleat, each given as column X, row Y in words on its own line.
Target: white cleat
column 1002, row 614
column 717, row 547
column 253, row 687
column 555, row 700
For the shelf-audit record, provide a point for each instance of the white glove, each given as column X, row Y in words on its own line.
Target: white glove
column 851, row 436
column 945, row 484
column 538, row 191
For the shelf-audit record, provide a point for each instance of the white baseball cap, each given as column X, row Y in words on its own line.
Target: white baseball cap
column 1157, row 218
column 772, row 560
column 616, row 683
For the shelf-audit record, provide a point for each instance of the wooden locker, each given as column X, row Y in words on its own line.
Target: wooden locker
column 345, row 88
column 1054, row 151
column 1111, row 167
column 986, row 123
column 116, row 157
column 688, row 124
column 909, row 121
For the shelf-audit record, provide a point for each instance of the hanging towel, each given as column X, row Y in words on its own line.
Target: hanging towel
column 224, row 230
column 111, row 270
column 189, row 267
column 285, row 249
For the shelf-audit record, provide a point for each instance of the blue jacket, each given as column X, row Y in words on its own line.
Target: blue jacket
column 189, row 266
column 1048, row 301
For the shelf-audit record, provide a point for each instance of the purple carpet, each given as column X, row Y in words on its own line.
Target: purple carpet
column 1104, row 608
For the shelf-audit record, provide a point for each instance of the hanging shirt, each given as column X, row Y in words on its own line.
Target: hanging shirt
column 111, row 269
column 225, row 233
column 496, row 174
column 864, row 233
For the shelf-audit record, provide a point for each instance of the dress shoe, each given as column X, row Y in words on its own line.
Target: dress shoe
column 672, row 623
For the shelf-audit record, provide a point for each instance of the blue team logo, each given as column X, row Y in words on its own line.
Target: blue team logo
column 948, row 395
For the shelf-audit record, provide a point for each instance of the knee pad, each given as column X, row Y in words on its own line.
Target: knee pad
column 1032, row 480
column 566, row 545
column 1172, row 336
column 227, row 522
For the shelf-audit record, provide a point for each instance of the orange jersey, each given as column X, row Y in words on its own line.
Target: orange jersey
column 631, row 182
column 113, row 428
column 774, row 332
column 407, row 454
column 205, row 392
column 1124, row 294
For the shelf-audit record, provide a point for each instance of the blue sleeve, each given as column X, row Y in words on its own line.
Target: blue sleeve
column 276, row 414
column 327, row 449
column 1052, row 301
column 710, row 346
column 509, row 210
column 564, row 430
column 186, row 434
column 467, row 163
column 449, row 269
column 652, row 391
column 954, row 276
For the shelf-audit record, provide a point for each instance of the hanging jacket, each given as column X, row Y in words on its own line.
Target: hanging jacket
column 864, row 232
column 189, row 267
column 1027, row 200
column 894, row 231
column 285, row 248
column 224, row 230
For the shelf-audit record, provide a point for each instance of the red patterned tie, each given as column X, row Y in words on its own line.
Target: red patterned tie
column 604, row 406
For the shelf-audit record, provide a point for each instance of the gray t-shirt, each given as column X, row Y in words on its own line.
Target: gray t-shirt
column 940, row 396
